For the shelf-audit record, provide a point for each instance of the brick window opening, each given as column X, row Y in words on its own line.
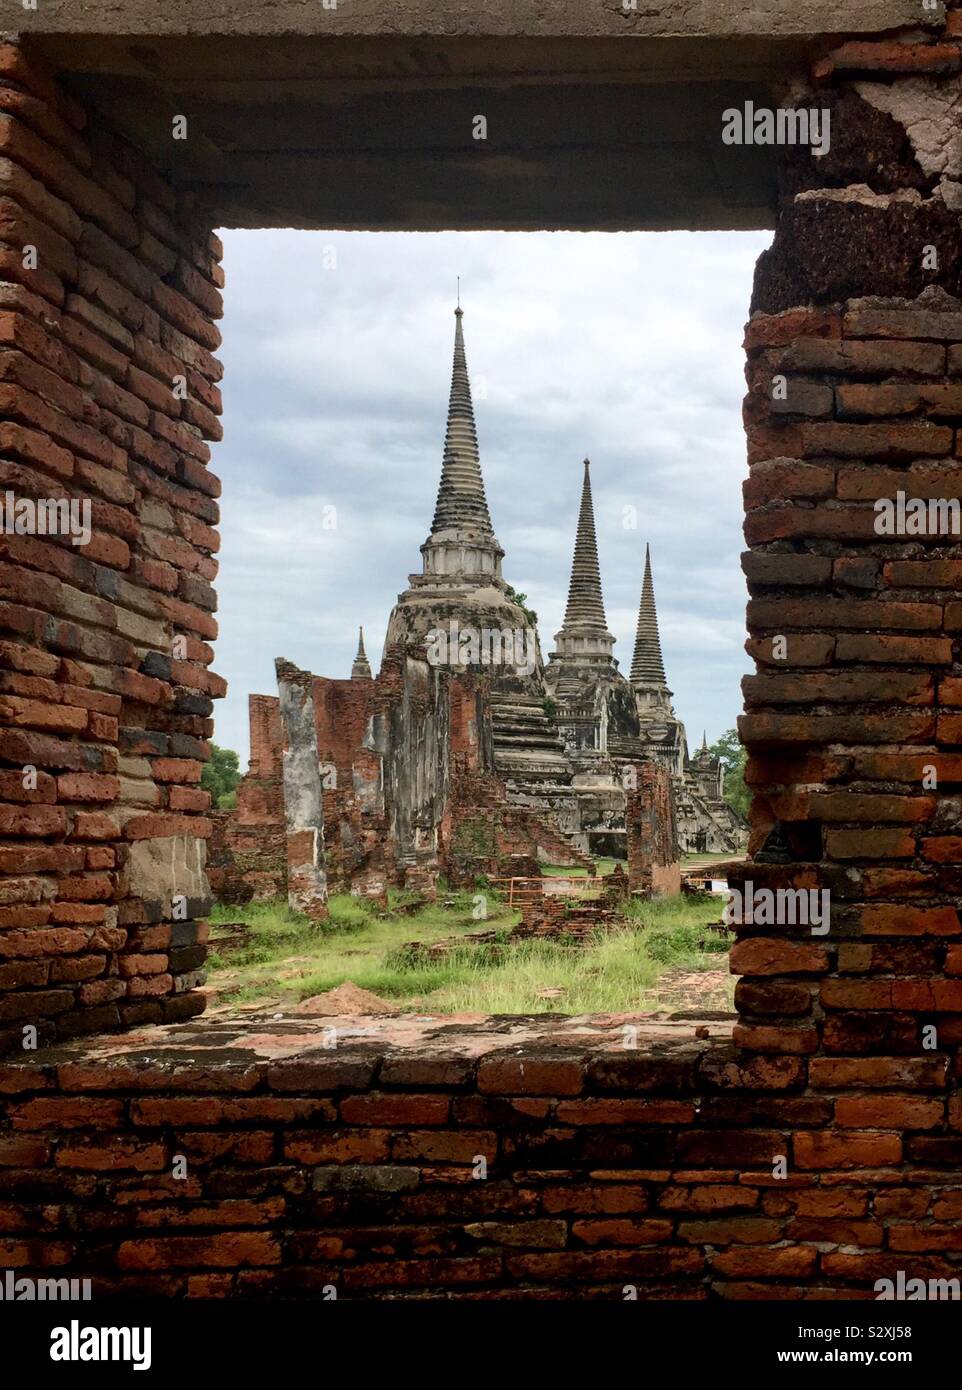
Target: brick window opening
column 805, row 1150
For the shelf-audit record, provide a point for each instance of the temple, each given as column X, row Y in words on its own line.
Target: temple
column 593, row 702
column 609, row 723
column 460, row 595
column 467, row 753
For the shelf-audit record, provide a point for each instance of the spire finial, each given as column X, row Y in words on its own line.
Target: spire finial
column 461, row 501
column 585, row 601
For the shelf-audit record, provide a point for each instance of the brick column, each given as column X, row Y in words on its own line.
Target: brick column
column 853, row 719
column 266, row 735
column 653, row 867
column 303, row 793
column 108, row 393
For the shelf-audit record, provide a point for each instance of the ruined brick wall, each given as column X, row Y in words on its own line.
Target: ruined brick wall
column 356, row 830
column 404, row 770
column 247, row 850
column 266, row 738
column 108, row 392
column 653, row 867
column 377, row 755
column 484, row 835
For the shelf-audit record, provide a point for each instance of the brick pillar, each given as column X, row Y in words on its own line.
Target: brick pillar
column 108, row 393
column 303, row 793
column 854, row 718
column 653, row 867
column 266, row 735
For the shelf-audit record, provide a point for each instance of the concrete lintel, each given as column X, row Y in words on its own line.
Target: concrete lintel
column 413, row 18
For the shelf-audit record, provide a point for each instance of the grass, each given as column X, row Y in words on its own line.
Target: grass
column 603, row 867
column 289, row 958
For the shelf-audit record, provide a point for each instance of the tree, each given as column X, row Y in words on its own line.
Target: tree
column 221, row 775
column 522, row 601
column 731, row 754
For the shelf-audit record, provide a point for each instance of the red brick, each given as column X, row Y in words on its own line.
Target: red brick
column 233, row 1250
column 444, row 1146
column 889, row 56
column 624, row 1112
column 622, row 1232
column 539, row 1076
column 790, row 1262
column 888, row 1112
column 67, row 1112
column 378, row 1109
column 760, row 955
column 829, row 1150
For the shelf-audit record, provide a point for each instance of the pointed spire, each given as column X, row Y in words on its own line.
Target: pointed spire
column 647, row 667
column 704, row 741
column 586, row 604
column 584, row 649
column 461, row 500
column 361, row 670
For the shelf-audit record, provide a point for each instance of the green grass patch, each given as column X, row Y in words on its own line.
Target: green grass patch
column 289, row 957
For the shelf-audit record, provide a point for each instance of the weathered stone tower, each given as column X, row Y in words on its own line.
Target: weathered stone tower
column 582, row 674
column 593, row 700
column 659, row 726
column 461, row 589
column 361, row 669
column 705, row 823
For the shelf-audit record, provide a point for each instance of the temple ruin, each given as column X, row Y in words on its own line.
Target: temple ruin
column 563, row 736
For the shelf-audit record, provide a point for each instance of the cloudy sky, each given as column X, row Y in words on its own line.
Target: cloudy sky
column 337, row 353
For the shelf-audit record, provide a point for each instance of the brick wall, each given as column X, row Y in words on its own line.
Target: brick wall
column 108, row 391
column 247, row 850
column 653, row 1167
column 818, row 1154
column 266, row 736
column 356, row 828
column 852, row 724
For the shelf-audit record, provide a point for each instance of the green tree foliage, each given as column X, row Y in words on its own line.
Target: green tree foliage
column 220, row 776
column 522, row 601
column 732, row 756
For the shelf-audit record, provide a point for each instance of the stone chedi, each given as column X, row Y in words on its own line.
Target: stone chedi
column 659, row 726
column 582, row 672
column 593, row 701
column 459, row 592
column 704, row 822
column 610, row 724
column 361, row 670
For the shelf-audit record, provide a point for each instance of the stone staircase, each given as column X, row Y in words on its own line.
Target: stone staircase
column 530, row 756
